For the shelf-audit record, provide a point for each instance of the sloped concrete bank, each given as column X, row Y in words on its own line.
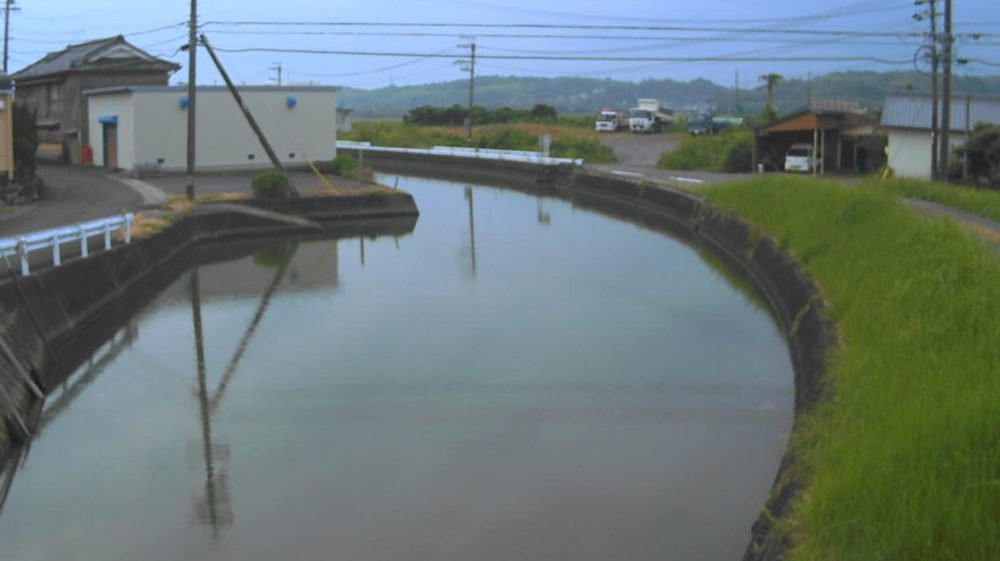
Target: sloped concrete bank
column 753, row 256
column 54, row 318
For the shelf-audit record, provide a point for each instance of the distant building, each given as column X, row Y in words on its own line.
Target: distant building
column 907, row 120
column 344, row 118
column 837, row 130
column 53, row 86
column 145, row 127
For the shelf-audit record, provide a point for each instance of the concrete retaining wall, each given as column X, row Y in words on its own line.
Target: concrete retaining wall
column 54, row 318
column 793, row 299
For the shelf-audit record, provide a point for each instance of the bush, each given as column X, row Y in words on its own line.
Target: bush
column 271, row 184
column 983, row 148
column 543, row 111
column 344, row 165
column 726, row 151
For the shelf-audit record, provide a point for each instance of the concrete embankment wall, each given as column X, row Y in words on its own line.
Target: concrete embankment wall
column 791, row 296
column 52, row 319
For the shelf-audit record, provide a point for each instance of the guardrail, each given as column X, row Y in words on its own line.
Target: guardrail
column 21, row 245
column 463, row 152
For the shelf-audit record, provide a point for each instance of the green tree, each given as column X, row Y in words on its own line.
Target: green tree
column 770, row 82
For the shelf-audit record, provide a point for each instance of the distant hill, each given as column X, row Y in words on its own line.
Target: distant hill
column 583, row 95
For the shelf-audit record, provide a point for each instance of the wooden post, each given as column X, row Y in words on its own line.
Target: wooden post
column 815, row 151
column 968, row 135
column 822, row 151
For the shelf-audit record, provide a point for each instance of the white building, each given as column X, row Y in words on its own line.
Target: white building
column 907, row 120
column 145, row 127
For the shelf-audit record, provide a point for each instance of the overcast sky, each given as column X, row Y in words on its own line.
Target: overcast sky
column 46, row 25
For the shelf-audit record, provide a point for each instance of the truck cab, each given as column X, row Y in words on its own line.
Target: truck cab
column 609, row 120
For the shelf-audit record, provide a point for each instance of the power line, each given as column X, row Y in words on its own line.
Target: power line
column 577, row 58
column 700, row 29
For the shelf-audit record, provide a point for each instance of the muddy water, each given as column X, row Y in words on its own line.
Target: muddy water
column 519, row 379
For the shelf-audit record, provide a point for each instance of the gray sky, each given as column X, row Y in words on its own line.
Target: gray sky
column 45, row 25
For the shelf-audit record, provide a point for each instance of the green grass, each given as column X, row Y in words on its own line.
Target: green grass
column 705, row 153
column 902, row 460
column 567, row 141
column 984, row 202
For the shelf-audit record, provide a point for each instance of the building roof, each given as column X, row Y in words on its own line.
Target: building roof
column 183, row 89
column 913, row 111
column 99, row 54
column 833, row 113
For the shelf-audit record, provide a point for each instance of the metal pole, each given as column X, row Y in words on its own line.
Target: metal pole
column 246, row 113
column 472, row 87
column 191, row 93
column 934, row 89
column 943, row 146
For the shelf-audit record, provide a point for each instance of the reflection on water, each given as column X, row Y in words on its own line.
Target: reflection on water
column 519, row 379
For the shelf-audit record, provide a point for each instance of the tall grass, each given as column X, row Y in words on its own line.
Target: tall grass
column 707, row 153
column 902, row 460
column 567, row 142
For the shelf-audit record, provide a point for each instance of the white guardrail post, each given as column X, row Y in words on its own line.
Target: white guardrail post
column 23, row 244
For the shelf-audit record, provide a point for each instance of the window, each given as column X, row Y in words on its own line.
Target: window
column 54, row 99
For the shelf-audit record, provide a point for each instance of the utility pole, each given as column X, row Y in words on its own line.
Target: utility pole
column 809, row 97
column 8, row 6
column 935, row 60
column 276, row 67
column 191, row 91
column 246, row 113
column 470, row 66
column 943, row 147
column 736, row 91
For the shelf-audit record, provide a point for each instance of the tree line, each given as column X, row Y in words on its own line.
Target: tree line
column 455, row 115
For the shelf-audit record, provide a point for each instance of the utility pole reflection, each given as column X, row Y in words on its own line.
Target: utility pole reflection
column 472, row 230
column 214, row 509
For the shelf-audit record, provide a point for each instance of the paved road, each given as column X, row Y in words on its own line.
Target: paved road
column 638, row 154
column 73, row 194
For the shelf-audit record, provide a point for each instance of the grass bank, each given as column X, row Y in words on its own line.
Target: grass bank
column 567, row 141
column 728, row 151
column 902, row 458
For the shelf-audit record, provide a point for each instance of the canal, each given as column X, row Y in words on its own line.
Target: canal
column 521, row 378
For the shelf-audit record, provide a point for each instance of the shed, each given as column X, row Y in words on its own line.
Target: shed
column 907, row 121
column 53, row 87
column 835, row 129
column 145, row 127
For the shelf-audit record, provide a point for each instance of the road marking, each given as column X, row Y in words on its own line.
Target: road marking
column 628, row 173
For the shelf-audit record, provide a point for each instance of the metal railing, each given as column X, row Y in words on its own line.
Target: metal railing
column 463, row 152
column 23, row 244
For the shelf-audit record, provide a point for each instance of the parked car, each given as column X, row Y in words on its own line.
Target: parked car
column 800, row 157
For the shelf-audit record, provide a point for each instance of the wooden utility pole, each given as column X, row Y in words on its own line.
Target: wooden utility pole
column 8, row 6
column 191, row 92
column 246, row 113
column 736, row 91
column 943, row 147
column 276, row 67
column 935, row 59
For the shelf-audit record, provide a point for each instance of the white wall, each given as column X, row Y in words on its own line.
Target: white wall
column 119, row 104
column 909, row 152
column 224, row 139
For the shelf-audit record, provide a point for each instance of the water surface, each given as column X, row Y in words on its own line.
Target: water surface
column 520, row 378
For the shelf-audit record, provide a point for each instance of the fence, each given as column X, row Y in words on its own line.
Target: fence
column 463, row 152
column 23, row 244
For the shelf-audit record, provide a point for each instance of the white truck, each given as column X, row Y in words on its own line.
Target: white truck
column 648, row 116
column 610, row 120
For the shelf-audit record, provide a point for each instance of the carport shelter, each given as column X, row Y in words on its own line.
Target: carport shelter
column 836, row 130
